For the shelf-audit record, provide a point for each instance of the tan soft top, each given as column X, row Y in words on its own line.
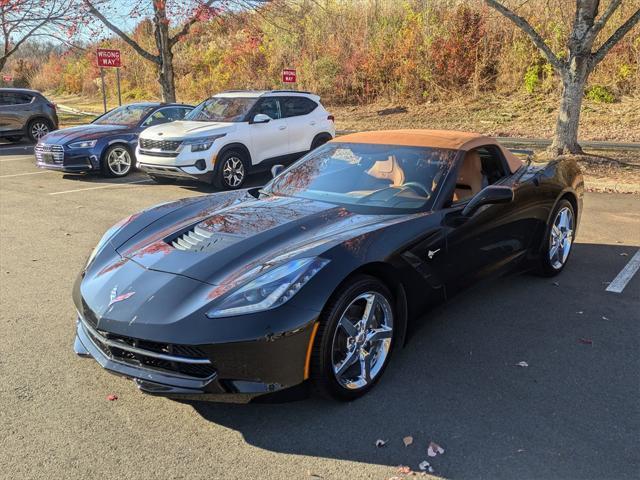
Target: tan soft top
column 450, row 139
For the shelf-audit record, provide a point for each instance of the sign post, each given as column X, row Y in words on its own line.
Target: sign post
column 118, row 83
column 288, row 75
column 104, row 93
column 109, row 58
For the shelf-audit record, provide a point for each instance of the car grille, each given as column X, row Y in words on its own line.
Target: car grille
column 187, row 360
column 162, row 145
column 198, row 239
column 56, row 150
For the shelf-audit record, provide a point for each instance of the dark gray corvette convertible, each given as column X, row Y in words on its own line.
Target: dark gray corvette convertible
column 317, row 275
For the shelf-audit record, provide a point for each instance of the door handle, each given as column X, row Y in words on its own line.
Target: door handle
column 282, row 127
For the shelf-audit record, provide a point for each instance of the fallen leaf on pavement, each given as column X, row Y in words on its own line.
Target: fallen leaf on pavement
column 424, row 465
column 407, row 441
column 380, row 443
column 580, row 312
column 585, row 341
column 404, row 469
column 522, row 364
column 556, row 284
column 624, row 254
column 434, row 449
column 604, row 318
column 112, row 397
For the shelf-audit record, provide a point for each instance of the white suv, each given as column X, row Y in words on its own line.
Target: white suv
column 235, row 133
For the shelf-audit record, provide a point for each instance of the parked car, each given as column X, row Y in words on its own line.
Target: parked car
column 235, row 133
column 108, row 143
column 317, row 275
column 27, row 113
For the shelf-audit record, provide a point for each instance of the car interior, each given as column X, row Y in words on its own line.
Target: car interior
column 480, row 167
column 398, row 177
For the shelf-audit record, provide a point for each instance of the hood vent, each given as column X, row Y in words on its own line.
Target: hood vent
column 197, row 239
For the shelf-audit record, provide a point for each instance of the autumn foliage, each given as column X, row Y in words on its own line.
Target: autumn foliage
column 355, row 52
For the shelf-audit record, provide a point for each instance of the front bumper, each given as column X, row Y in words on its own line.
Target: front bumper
column 242, row 370
column 56, row 157
column 183, row 164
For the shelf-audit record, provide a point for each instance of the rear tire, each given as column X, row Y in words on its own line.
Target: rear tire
column 231, row 170
column 557, row 243
column 347, row 360
column 320, row 140
column 38, row 128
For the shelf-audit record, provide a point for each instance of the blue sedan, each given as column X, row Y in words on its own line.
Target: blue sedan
column 107, row 144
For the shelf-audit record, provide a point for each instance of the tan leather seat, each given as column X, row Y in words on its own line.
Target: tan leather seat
column 469, row 176
column 388, row 170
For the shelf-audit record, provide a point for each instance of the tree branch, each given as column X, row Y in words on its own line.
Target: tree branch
column 187, row 26
column 604, row 18
column 131, row 42
column 615, row 38
column 535, row 37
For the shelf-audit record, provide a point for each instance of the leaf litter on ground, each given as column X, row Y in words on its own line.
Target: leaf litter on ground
column 434, row 449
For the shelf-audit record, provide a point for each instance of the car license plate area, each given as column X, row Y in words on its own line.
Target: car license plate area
column 48, row 158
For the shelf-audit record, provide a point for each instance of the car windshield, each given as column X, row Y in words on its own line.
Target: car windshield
column 384, row 176
column 126, row 115
column 222, row 109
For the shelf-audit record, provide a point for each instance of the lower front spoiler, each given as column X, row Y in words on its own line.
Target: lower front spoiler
column 65, row 168
column 179, row 387
column 171, row 171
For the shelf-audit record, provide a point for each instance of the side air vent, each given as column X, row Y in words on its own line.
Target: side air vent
column 200, row 240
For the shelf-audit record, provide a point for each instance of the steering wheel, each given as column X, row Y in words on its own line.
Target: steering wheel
column 418, row 188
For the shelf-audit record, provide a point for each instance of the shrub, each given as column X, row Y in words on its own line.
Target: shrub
column 599, row 93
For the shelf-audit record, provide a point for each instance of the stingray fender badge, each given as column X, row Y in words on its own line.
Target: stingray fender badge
column 115, row 298
column 432, row 253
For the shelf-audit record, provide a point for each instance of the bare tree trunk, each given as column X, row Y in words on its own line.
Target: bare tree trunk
column 574, row 80
column 165, row 46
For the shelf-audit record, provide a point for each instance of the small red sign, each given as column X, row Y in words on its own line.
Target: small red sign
column 7, row 78
column 289, row 75
column 108, row 57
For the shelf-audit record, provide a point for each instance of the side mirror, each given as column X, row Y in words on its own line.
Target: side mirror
column 276, row 170
column 261, row 118
column 488, row 196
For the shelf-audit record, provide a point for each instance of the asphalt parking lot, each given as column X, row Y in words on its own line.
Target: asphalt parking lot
column 573, row 412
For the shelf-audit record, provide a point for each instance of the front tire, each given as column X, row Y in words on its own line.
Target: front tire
column 355, row 339
column 231, row 171
column 558, row 240
column 117, row 161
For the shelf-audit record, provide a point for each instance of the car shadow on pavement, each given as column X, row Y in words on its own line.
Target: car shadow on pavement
column 570, row 412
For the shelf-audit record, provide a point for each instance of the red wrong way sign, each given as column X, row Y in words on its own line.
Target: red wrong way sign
column 108, row 57
column 289, row 75
column 7, row 78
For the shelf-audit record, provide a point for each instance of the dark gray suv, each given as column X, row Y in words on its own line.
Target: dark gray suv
column 25, row 112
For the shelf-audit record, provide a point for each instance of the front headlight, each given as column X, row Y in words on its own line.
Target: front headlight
column 270, row 289
column 83, row 144
column 203, row 143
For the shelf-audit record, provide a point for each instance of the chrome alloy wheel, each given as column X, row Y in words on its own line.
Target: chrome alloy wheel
column 362, row 340
column 561, row 238
column 39, row 130
column 233, row 171
column 119, row 161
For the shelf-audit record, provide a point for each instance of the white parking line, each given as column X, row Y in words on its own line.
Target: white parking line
column 101, row 186
column 625, row 275
column 21, row 174
column 15, row 159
